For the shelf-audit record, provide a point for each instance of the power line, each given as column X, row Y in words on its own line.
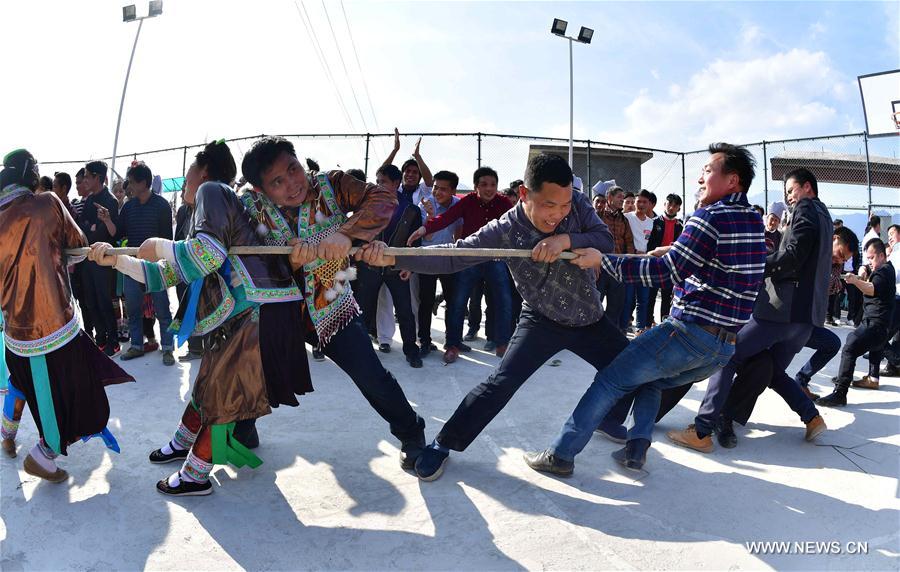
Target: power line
column 344, row 65
column 317, row 48
column 362, row 75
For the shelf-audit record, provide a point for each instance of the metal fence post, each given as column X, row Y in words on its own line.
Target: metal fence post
column 366, row 166
column 588, row 188
column 765, row 175
column 479, row 149
column 184, row 163
column 683, row 186
column 868, row 172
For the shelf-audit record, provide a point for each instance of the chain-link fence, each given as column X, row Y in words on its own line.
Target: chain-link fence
column 857, row 175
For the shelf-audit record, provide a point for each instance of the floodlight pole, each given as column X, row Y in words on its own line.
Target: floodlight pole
column 112, row 167
column 571, row 106
column 137, row 35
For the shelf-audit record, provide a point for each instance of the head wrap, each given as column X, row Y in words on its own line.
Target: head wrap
column 602, row 186
column 20, row 168
column 777, row 208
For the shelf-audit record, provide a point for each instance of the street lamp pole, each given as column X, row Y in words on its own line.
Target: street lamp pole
column 571, row 107
column 128, row 15
column 584, row 37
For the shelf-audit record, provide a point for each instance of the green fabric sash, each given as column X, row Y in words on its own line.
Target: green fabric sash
column 226, row 449
column 44, row 397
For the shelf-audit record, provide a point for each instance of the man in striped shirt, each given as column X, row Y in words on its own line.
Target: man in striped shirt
column 716, row 267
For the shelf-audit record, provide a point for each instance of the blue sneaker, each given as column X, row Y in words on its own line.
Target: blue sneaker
column 430, row 464
column 612, row 431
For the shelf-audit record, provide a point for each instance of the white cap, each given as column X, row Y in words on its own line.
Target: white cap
column 577, row 184
column 601, row 187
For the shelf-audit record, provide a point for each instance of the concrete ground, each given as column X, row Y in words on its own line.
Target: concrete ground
column 331, row 495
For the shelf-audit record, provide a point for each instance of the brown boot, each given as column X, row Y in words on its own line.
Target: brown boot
column 815, row 427
column 34, row 469
column 451, row 354
column 866, row 383
column 9, row 447
column 809, row 394
column 688, row 437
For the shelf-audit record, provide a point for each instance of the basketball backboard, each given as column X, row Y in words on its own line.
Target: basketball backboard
column 881, row 102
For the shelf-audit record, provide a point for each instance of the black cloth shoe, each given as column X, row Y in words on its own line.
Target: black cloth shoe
column 245, row 432
column 384, row 348
column 414, row 361
column 463, row 348
column 318, row 355
column 184, row 488
column 837, row 398
column 546, row 462
column 890, row 371
column 430, row 464
column 725, row 434
column 410, row 452
column 158, row 457
column 470, row 336
column 426, row 348
column 633, row 455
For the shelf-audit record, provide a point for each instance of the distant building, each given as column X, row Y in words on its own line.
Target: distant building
column 623, row 165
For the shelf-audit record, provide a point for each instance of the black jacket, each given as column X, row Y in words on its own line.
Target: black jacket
column 797, row 274
column 659, row 227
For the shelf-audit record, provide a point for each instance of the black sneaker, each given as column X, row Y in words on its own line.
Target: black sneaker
column 112, row 350
column 490, row 346
column 612, row 431
column 184, row 488
column 463, row 348
column 384, row 348
column 414, row 361
column 318, row 355
column 430, row 464
column 470, row 337
column 633, row 455
column 426, row 348
column 725, row 434
column 837, row 398
column 410, row 452
column 159, row 458
column 546, row 462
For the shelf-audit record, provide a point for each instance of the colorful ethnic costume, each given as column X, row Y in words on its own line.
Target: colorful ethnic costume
column 248, row 311
column 53, row 365
column 335, row 324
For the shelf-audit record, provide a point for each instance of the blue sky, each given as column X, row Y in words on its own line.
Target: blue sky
column 672, row 75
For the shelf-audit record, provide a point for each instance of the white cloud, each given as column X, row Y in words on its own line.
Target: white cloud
column 816, row 29
column 750, row 34
column 740, row 101
column 654, row 73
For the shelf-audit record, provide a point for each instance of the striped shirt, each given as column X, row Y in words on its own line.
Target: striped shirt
column 716, row 266
column 138, row 222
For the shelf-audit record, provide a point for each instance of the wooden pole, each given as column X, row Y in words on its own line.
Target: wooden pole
column 390, row 251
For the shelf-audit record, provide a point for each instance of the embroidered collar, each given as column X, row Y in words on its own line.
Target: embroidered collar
column 12, row 192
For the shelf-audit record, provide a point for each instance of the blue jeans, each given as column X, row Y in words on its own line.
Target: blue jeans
column 636, row 296
column 536, row 340
column 134, row 305
column 497, row 279
column 671, row 354
column 827, row 345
